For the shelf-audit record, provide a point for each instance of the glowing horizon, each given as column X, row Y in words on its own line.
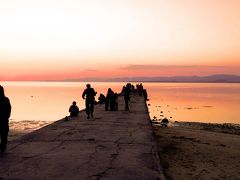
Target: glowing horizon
column 74, row 39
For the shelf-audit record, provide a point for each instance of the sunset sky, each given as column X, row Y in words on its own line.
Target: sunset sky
column 67, row 39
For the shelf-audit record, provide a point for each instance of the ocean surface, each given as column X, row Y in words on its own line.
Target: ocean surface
column 194, row 102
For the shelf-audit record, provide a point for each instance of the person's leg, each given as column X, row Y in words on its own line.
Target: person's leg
column 92, row 108
column 126, row 104
column 4, row 139
column 106, row 104
column 111, row 104
column 116, row 106
column 87, row 109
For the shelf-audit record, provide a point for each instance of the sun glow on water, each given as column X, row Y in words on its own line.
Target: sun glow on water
column 197, row 102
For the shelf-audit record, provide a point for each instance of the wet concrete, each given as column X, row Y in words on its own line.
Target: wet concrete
column 112, row 145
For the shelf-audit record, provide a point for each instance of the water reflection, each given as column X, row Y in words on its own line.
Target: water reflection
column 196, row 102
column 49, row 101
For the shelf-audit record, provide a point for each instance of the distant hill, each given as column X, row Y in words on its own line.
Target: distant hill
column 217, row 78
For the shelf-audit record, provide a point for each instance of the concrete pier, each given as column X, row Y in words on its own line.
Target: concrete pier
column 112, row 145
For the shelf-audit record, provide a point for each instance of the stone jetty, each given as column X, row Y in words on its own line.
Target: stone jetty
column 112, row 145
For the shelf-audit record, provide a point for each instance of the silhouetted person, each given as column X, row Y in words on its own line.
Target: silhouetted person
column 101, row 99
column 127, row 92
column 115, row 96
column 123, row 90
column 140, row 89
column 145, row 95
column 5, row 111
column 112, row 101
column 90, row 98
column 109, row 99
column 132, row 87
column 74, row 110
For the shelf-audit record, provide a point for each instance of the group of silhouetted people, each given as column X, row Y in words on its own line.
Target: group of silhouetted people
column 110, row 100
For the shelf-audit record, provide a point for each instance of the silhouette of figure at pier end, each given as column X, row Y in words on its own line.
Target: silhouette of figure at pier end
column 109, row 100
column 127, row 92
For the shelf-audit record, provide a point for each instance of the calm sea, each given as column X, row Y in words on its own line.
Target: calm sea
column 195, row 102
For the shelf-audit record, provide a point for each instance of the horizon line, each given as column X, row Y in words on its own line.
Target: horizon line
column 201, row 79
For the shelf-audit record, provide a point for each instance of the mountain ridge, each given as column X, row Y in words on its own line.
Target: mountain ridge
column 215, row 78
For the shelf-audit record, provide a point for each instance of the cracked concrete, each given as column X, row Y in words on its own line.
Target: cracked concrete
column 112, row 145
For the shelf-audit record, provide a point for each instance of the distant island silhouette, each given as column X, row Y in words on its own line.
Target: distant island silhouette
column 216, row 78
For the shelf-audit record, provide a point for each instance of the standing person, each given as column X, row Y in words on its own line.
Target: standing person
column 116, row 102
column 127, row 92
column 5, row 111
column 109, row 100
column 145, row 95
column 140, row 89
column 90, row 98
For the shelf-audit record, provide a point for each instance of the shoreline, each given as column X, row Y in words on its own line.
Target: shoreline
column 20, row 128
column 228, row 128
column 17, row 129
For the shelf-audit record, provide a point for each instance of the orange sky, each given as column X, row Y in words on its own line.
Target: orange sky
column 65, row 39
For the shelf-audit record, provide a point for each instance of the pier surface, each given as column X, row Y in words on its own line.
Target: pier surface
column 112, row 145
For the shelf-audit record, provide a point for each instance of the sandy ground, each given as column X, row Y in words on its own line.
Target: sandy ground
column 192, row 153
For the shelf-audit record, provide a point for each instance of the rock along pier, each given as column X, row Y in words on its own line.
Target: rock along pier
column 112, row 145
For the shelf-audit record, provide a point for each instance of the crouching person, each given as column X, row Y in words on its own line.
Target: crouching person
column 74, row 110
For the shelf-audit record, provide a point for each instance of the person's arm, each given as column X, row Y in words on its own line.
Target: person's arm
column 9, row 108
column 94, row 92
column 83, row 94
